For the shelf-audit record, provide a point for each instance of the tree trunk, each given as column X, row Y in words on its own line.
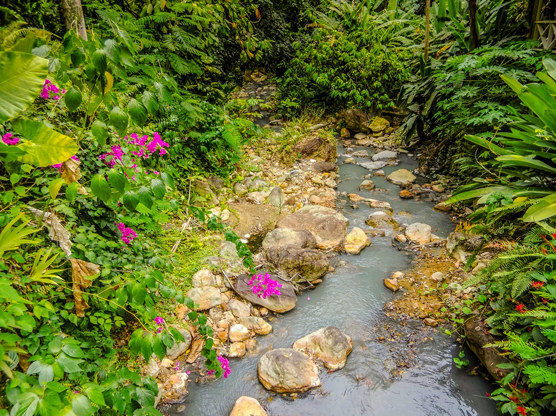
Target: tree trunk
column 73, row 15
column 427, row 28
column 473, row 23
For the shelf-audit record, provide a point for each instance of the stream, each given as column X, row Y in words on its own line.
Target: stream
column 352, row 298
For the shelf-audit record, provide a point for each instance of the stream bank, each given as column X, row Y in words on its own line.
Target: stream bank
column 397, row 365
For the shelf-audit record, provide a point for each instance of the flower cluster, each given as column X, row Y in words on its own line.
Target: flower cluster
column 225, row 364
column 48, row 88
column 116, row 153
column 264, row 287
column 158, row 320
column 7, row 139
column 520, row 308
column 127, row 235
column 147, row 149
column 536, row 285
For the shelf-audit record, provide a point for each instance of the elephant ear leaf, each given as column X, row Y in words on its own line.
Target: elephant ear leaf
column 44, row 146
column 22, row 76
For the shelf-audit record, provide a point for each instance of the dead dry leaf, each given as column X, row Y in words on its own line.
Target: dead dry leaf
column 71, row 173
column 196, row 348
column 79, row 271
column 56, row 230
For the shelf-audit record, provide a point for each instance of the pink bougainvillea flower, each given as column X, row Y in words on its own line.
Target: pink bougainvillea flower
column 264, row 286
column 117, row 153
column 7, row 139
column 127, row 233
column 308, row 298
column 159, row 330
column 159, row 320
column 225, row 364
column 210, row 372
column 177, row 367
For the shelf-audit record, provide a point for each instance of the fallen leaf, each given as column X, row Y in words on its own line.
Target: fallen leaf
column 56, row 230
column 195, row 350
column 79, row 271
column 71, row 173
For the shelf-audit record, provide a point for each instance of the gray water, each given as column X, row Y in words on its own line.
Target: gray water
column 352, row 299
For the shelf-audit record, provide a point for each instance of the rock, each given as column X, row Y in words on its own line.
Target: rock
column 328, row 345
column 237, row 350
column 228, row 251
column 166, row 362
column 360, row 153
column 405, row 194
column 430, row 322
column 306, row 264
column 442, row 207
column 238, row 308
column 286, row 237
column 351, row 161
column 205, row 297
column 251, row 345
column 240, row 189
column 257, row 197
column 152, row 368
column 381, row 220
column 215, row 182
column 255, row 220
column 257, row 324
column 313, row 199
column 360, row 136
column 317, row 181
column 238, row 333
column 355, row 198
column 379, row 173
column 385, row 155
column 330, row 183
column 276, row 197
column 356, row 241
column 344, row 133
column 401, row 238
column 280, row 304
column 327, row 226
column 367, row 185
column 181, row 347
column 356, row 120
column 438, row 188
column 247, row 406
column 379, row 124
column 257, row 184
column 286, row 370
column 397, row 275
column 392, row 284
column 383, row 205
column 438, row 277
column 321, row 167
column 461, row 245
column 401, row 177
column 316, row 148
column 175, row 388
column 203, row 278
column 316, row 127
column 375, row 233
column 373, row 165
column 225, row 216
column 202, row 188
column 418, row 233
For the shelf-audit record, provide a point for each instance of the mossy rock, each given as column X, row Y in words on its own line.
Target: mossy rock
column 379, row 124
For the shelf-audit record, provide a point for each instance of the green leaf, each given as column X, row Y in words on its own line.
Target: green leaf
column 81, row 406
column 117, row 180
column 112, row 50
column 476, row 193
column 150, row 102
column 168, row 180
column 542, row 210
column 72, row 191
column 55, row 386
column 44, row 146
column 22, row 76
column 73, row 351
column 119, row 119
column 99, row 60
column 162, row 93
column 69, row 365
column 158, row 347
column 25, row 44
column 145, row 397
column 145, row 197
column 100, row 188
column 54, row 187
column 158, row 187
column 139, row 293
column 525, row 161
column 136, row 340
column 137, row 112
column 73, row 99
column 28, row 403
column 146, row 347
column 94, row 393
column 78, row 57
column 497, row 150
column 100, row 131
column 130, row 200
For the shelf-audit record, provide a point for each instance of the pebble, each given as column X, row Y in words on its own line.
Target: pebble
column 392, row 284
column 430, row 322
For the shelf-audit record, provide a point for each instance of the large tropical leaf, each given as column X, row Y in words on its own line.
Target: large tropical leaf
column 526, row 162
column 22, row 76
column 497, row 150
column 44, row 146
column 476, row 193
column 542, row 210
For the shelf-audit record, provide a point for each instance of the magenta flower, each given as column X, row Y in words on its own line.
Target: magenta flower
column 7, row 139
column 49, row 87
column 210, row 372
column 159, row 330
column 116, row 153
column 264, row 287
column 177, row 367
column 159, row 320
column 225, row 364
column 76, row 392
column 127, row 233
column 59, row 165
column 155, row 143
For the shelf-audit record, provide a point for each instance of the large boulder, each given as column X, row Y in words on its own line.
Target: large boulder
column 327, row 225
column 253, row 220
column 356, row 120
column 286, row 370
column 379, row 124
column 299, row 263
column 385, row 155
column 328, row 345
column 401, row 177
column 205, row 297
column 316, row 148
column 284, row 302
column 247, row 406
column 373, row 165
column 203, row 278
column 286, row 237
column 418, row 233
column 356, row 241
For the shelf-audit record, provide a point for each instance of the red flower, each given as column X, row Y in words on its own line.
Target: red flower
column 544, row 300
column 520, row 308
column 554, row 235
column 543, row 251
column 513, row 399
column 537, row 284
column 487, row 394
column 521, row 410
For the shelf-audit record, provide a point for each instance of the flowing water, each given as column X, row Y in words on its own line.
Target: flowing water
column 352, row 299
